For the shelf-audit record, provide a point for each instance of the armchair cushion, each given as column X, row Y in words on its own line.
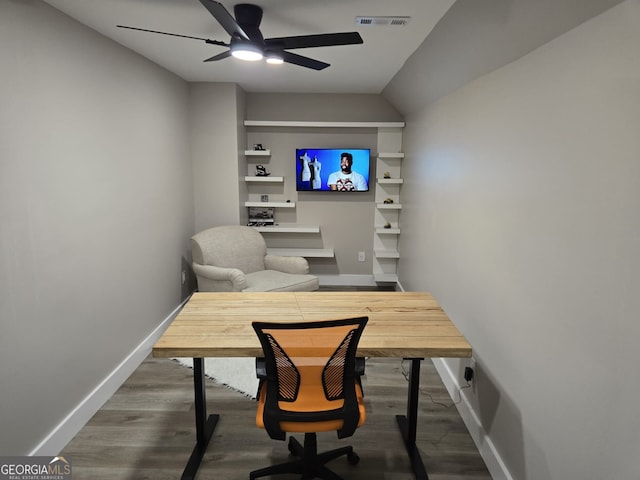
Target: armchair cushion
column 274, row 281
column 297, row 265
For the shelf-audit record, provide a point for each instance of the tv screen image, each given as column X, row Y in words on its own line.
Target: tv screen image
column 332, row 169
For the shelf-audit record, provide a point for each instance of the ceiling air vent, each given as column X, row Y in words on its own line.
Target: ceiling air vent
column 380, row 21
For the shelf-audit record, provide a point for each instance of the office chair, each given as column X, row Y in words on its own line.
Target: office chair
column 309, row 383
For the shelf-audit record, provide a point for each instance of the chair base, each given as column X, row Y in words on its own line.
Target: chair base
column 310, row 464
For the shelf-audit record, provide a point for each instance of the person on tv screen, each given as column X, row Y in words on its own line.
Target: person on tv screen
column 346, row 180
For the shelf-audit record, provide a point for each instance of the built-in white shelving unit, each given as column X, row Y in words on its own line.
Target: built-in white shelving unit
column 302, row 252
column 268, row 179
column 294, row 124
column 389, row 206
column 386, row 254
column 271, row 204
column 388, row 185
column 257, row 153
column 388, row 164
column 387, row 231
column 289, row 228
column 385, row 277
column 390, row 181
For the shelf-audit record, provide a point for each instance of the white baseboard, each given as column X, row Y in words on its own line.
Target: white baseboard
column 62, row 434
column 488, row 452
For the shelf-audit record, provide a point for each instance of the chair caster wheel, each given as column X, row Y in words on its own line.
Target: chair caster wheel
column 353, row 458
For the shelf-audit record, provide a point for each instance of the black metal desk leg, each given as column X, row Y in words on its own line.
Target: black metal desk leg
column 408, row 424
column 204, row 425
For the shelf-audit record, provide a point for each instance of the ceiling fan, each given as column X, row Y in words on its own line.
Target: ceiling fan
column 247, row 42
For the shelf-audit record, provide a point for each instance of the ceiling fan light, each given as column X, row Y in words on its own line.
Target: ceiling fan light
column 274, row 59
column 246, row 51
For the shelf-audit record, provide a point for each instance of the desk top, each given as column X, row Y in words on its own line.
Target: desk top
column 401, row 324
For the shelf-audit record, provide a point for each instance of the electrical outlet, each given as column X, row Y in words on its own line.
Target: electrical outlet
column 361, row 256
column 468, row 374
column 470, row 371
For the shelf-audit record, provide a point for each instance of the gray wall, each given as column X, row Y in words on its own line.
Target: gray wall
column 522, row 192
column 96, row 206
column 216, row 131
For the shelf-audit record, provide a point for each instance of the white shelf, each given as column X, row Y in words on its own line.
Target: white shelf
column 289, row 228
column 386, row 254
column 390, row 155
column 389, row 206
column 395, row 181
column 387, row 231
column 257, row 153
column 270, row 204
column 287, row 123
column 385, row 277
column 302, row 252
column 267, row 179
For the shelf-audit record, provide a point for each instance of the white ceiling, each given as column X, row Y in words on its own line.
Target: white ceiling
column 363, row 68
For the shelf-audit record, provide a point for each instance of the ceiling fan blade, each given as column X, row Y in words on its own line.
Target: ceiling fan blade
column 213, row 42
column 320, row 40
column 303, row 61
column 225, row 19
column 220, row 56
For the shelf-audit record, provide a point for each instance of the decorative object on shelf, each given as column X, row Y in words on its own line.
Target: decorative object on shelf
column 387, row 225
column 264, row 198
column 258, row 147
column 387, row 175
column 388, row 200
column 261, row 171
column 261, row 216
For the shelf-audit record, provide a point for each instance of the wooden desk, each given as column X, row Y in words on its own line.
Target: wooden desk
column 405, row 325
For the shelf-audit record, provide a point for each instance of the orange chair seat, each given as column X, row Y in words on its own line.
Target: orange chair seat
column 310, row 399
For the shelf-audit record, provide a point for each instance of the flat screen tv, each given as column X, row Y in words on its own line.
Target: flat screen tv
column 332, row 169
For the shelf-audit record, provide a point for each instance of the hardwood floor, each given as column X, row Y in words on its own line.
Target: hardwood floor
column 146, row 431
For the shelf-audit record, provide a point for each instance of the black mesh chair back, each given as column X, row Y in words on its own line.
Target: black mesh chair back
column 310, row 382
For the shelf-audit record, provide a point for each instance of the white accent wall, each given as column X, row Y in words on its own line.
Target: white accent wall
column 522, row 198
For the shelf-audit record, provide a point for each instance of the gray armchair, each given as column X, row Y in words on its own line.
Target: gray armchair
column 233, row 258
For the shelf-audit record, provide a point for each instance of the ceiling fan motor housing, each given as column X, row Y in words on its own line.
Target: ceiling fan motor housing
column 249, row 17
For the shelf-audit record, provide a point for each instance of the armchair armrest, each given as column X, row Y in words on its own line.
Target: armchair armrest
column 296, row 265
column 234, row 276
